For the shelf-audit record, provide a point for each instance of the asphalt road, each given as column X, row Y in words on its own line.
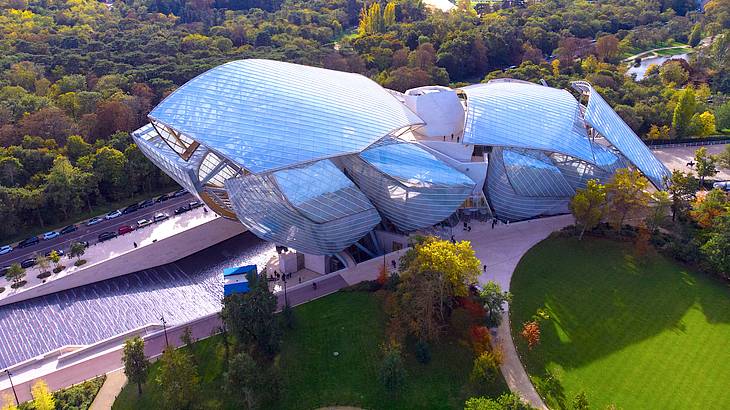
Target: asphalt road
column 91, row 233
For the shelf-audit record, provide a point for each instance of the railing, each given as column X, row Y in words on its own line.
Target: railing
column 693, row 142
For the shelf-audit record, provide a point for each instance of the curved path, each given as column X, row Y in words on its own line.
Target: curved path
column 501, row 249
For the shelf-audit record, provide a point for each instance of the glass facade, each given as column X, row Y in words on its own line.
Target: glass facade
column 409, row 186
column 314, row 159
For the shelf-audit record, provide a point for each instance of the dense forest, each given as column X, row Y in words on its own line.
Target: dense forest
column 78, row 75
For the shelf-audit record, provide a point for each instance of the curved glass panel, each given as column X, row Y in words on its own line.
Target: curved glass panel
column 417, row 203
column 531, row 176
column 508, row 205
column 603, row 118
column 524, row 115
column 267, row 115
column 413, row 166
column 304, row 215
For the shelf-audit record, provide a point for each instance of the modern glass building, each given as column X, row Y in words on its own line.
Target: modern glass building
column 315, row 159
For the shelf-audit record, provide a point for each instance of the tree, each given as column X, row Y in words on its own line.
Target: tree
column 723, row 158
column 716, row 248
column 135, row 362
column 250, row 383
column 682, row 188
column 494, row 300
column 454, row 264
column 507, row 401
column 249, row 317
column 722, row 116
column 485, row 367
column 15, row 274
column 8, row 403
column 695, row 36
column 626, row 194
column 662, row 204
column 77, row 250
column 531, row 333
column 392, row 370
column 707, row 124
column 607, row 47
column 673, row 73
column 588, row 205
column 389, row 14
column 42, row 396
column 707, row 209
column 42, row 262
column 178, row 379
column 684, row 111
column 55, row 258
column 76, row 147
column 704, row 164
column 10, row 168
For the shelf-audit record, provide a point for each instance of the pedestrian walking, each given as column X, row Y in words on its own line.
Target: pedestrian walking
column 494, row 222
column 314, row 285
column 205, row 210
column 300, row 279
column 135, row 245
column 484, row 268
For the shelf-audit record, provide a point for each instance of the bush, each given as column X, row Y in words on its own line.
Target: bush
column 392, row 283
column 486, row 367
column 364, row 286
column 392, row 371
column 43, row 275
column 423, row 352
column 79, row 396
column 19, row 284
column 480, row 339
column 80, row 262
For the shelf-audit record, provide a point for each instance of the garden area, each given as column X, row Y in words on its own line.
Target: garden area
column 332, row 357
column 634, row 331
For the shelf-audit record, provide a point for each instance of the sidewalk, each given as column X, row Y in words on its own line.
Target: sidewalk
column 109, row 391
column 501, row 249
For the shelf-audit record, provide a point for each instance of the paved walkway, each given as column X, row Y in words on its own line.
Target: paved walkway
column 113, row 385
column 501, row 249
column 676, row 158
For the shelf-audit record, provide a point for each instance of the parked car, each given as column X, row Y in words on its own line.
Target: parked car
column 50, row 235
column 27, row 263
column 162, row 198
column 106, row 236
column 179, row 193
column 4, row 270
column 5, row 249
column 195, row 204
column 85, row 243
column 125, row 229
column 68, row 229
column 146, row 203
column 161, row 216
column 182, row 210
column 58, row 251
column 143, row 222
column 95, row 220
column 28, row 242
column 113, row 214
column 724, row 185
column 130, row 209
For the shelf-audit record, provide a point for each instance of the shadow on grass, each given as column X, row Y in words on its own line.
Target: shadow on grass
column 602, row 299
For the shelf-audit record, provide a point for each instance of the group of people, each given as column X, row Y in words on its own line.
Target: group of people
column 280, row 276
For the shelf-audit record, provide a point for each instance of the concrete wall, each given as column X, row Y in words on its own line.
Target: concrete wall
column 169, row 249
column 315, row 263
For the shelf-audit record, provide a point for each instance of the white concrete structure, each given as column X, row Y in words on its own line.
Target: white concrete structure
column 440, row 109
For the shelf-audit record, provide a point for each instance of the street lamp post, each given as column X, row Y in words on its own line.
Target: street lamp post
column 286, row 301
column 17, row 402
column 164, row 329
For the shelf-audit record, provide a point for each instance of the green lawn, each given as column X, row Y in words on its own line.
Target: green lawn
column 352, row 324
column 639, row 335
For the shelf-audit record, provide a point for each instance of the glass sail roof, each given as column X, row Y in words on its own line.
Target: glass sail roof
column 604, row 119
column 525, row 115
column 267, row 114
column 413, row 166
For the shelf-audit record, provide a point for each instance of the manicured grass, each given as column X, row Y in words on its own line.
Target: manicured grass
column 674, row 51
column 353, row 325
column 639, row 334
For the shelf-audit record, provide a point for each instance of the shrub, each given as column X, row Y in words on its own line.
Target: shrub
column 364, row 286
column 461, row 322
column 79, row 396
column 423, row 352
column 382, row 276
column 80, row 262
column 480, row 339
column 392, row 371
column 392, row 283
column 43, row 275
column 486, row 367
column 531, row 334
column 473, row 307
column 19, row 284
